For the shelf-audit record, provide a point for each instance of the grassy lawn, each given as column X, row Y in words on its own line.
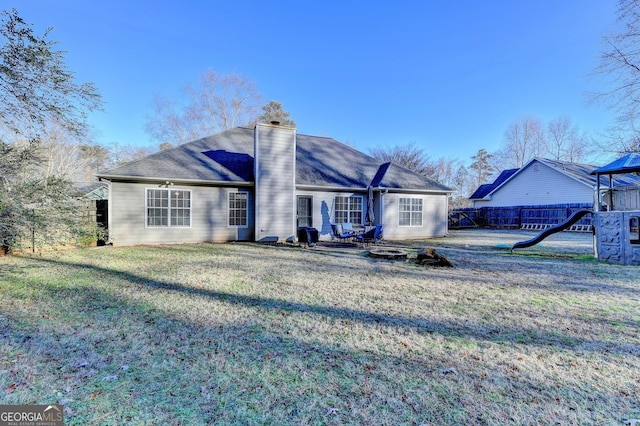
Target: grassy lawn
column 246, row 334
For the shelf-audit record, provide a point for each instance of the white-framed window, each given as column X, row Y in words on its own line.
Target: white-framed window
column 410, row 212
column 168, row 207
column 348, row 209
column 238, row 209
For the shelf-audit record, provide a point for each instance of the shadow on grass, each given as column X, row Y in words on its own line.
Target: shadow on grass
column 182, row 372
column 496, row 333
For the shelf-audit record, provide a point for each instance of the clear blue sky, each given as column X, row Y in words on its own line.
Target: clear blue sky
column 449, row 76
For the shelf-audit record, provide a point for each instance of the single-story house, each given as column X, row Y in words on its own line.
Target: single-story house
column 544, row 182
column 263, row 183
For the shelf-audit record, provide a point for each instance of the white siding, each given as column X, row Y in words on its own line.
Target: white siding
column 545, row 185
column 626, row 198
column 209, row 216
column 434, row 217
column 323, row 206
column 434, row 209
column 275, row 155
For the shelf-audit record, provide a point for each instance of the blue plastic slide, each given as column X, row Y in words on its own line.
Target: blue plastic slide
column 549, row 231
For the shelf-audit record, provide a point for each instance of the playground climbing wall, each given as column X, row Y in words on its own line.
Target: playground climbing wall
column 618, row 237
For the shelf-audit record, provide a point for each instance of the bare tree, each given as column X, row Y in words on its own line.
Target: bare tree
column 565, row 142
column 95, row 157
column 523, row 140
column 217, row 102
column 465, row 185
column 121, row 154
column 620, row 64
column 445, row 169
column 408, row 156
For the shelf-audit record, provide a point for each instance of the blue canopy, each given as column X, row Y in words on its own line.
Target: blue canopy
column 628, row 164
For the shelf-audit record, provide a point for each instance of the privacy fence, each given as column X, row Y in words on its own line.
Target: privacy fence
column 525, row 217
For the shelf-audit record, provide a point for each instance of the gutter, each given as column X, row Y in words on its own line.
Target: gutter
column 175, row 181
column 380, row 189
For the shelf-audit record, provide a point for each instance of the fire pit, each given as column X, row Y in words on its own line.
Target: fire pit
column 387, row 253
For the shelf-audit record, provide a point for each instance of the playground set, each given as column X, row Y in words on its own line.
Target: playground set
column 616, row 217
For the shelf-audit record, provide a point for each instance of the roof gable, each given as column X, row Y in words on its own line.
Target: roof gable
column 229, row 157
column 92, row 190
column 224, row 157
column 580, row 173
column 583, row 173
column 398, row 177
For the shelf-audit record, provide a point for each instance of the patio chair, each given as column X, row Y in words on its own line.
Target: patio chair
column 340, row 233
column 373, row 235
column 347, row 227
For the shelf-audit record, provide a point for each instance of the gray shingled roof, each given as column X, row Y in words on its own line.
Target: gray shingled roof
column 326, row 162
column 92, row 190
column 228, row 157
column 487, row 188
column 582, row 173
column 397, row 177
column 225, row 157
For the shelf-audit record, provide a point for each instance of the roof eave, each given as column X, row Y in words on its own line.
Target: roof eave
column 142, row 179
column 332, row 188
column 378, row 188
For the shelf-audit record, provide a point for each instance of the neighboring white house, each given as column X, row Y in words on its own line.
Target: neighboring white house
column 544, row 182
column 263, row 183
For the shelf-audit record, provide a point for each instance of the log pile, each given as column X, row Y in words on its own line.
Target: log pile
column 428, row 256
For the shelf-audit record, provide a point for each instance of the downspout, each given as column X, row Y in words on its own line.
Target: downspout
column 596, row 219
column 610, row 192
column 381, row 208
column 597, row 208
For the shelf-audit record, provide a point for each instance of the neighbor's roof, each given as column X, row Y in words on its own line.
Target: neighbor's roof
column 579, row 172
column 487, row 188
column 227, row 157
column 583, row 173
column 92, row 190
column 630, row 163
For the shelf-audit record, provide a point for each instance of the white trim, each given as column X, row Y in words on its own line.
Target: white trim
column 410, row 212
column 231, row 191
column 298, row 196
column 150, row 180
column 365, row 189
column 348, row 195
column 168, row 225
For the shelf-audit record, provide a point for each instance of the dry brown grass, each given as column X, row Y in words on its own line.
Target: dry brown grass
column 245, row 334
